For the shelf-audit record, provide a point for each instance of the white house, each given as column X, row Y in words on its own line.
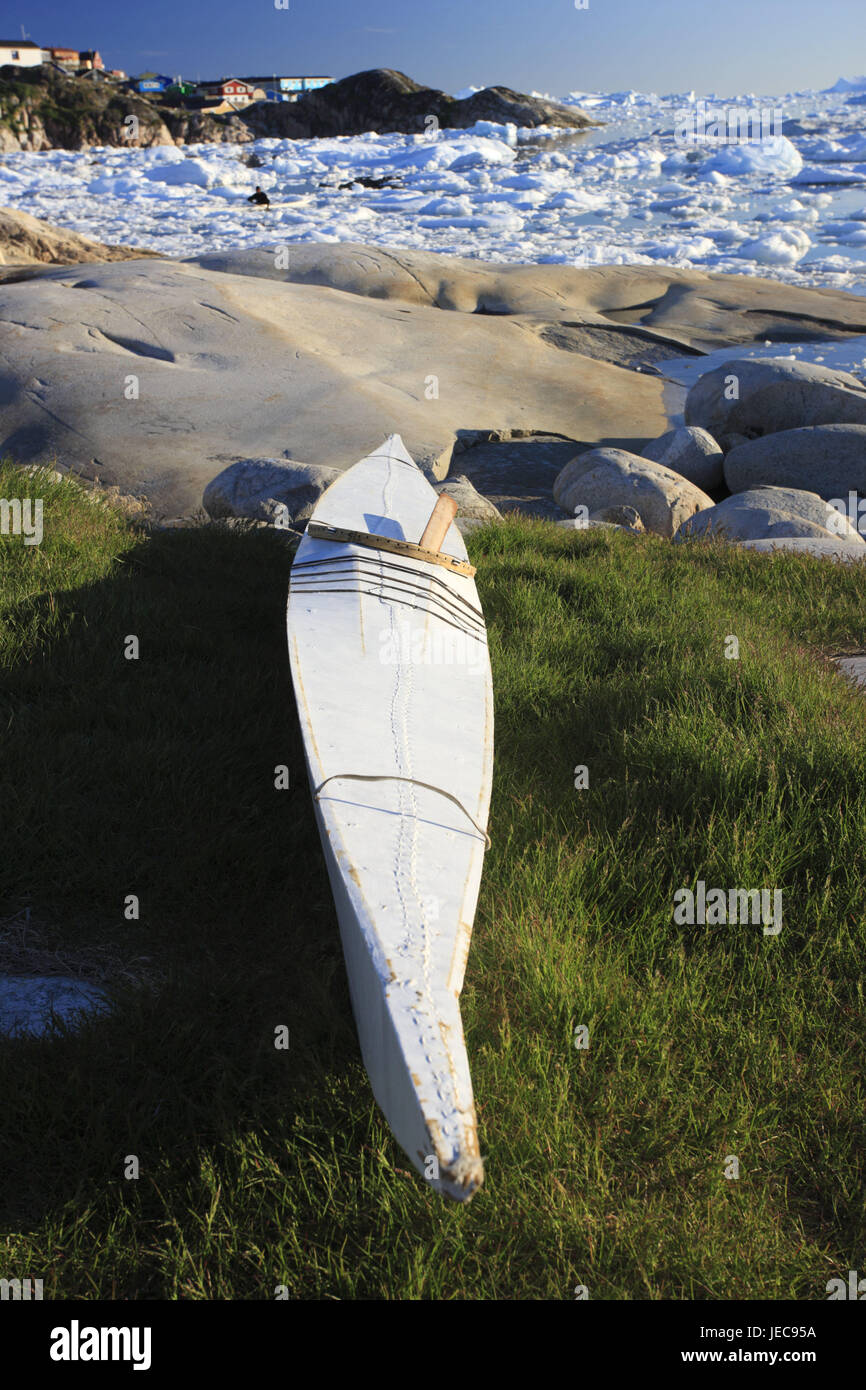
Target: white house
column 21, row 52
column 288, row 88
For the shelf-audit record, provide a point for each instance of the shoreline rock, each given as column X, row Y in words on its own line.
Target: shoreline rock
column 752, row 397
column 770, row 513
column 27, row 241
column 691, row 452
column 156, row 376
column 840, row 551
column 604, row 478
column 43, row 109
column 828, row 459
column 385, row 100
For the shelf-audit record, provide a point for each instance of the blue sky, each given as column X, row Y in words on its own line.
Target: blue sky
column 762, row 46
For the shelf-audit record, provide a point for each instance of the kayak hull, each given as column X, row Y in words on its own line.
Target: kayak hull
column 392, row 677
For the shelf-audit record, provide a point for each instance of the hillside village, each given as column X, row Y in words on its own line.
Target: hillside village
column 215, row 97
column 65, row 99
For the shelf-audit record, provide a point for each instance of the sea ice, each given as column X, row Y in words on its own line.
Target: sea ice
column 817, row 173
column 626, row 192
column 195, row 171
column 786, row 247
column 775, row 156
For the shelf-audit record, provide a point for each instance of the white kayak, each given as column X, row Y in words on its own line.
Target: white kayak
column 392, row 677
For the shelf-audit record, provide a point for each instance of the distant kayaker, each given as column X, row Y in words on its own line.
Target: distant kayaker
column 260, row 198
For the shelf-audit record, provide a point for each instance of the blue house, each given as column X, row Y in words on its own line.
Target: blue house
column 288, row 88
column 153, row 82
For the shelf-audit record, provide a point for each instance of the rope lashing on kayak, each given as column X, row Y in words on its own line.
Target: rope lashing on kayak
column 390, row 598
column 477, row 634
column 386, row 777
column 381, row 563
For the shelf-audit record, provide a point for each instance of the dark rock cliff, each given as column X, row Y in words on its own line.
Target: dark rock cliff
column 43, row 109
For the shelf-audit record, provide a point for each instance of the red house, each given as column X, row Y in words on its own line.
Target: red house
column 235, row 91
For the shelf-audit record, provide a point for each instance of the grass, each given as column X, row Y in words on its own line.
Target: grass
column 606, row 1165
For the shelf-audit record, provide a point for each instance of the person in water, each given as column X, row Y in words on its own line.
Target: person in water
column 260, row 198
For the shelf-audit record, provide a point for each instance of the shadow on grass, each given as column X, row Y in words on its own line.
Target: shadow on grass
column 156, row 777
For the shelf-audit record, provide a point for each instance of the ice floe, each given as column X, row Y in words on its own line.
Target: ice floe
column 633, row 190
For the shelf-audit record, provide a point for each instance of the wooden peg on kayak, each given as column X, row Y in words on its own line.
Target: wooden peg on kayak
column 441, row 518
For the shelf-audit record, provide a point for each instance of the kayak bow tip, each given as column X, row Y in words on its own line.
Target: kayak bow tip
column 464, row 1177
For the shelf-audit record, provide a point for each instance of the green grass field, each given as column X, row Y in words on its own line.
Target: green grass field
column 605, row 1165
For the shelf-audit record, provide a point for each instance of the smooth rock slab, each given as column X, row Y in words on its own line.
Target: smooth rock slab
column 237, row 357
column 668, row 306
column 155, row 375
column 30, row 1003
column 827, row 459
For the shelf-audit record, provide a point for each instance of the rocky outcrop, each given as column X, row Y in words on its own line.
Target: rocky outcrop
column 43, row 109
column 27, row 241
column 602, row 478
column 827, row 459
column 754, row 397
column 155, row 376
column 691, row 452
column 770, row 513
column 384, row 100
column 192, row 127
